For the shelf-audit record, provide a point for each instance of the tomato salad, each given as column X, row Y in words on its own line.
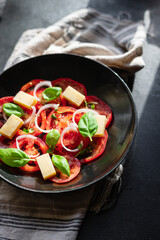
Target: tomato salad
column 55, row 120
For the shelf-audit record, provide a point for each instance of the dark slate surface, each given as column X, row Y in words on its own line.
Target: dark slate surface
column 136, row 214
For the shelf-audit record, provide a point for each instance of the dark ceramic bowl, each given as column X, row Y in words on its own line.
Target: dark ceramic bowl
column 100, row 81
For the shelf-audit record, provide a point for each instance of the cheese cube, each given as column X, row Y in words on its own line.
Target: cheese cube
column 12, row 125
column 73, row 96
column 46, row 166
column 24, row 99
column 101, row 121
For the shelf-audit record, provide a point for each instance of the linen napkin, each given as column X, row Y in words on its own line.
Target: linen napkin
column 114, row 42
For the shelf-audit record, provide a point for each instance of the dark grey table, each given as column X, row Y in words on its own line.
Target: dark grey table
column 136, row 214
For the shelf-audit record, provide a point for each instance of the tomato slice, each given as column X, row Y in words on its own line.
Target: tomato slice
column 38, row 92
column 65, row 82
column 97, row 148
column 28, row 87
column 101, row 107
column 31, row 147
column 75, row 168
column 3, row 101
column 63, row 118
column 71, row 139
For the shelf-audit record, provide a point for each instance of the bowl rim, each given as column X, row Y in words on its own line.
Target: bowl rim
column 122, row 157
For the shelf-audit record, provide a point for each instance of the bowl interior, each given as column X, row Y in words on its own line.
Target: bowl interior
column 100, row 81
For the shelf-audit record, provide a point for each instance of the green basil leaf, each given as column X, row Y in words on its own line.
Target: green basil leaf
column 50, row 150
column 51, row 93
column 52, row 138
column 53, row 116
column 61, row 163
column 84, row 153
column 11, row 108
column 14, row 157
column 80, row 146
column 28, row 130
column 92, row 106
column 88, row 125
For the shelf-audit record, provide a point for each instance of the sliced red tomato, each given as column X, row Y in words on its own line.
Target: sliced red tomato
column 101, row 107
column 63, row 101
column 65, row 109
column 72, row 140
column 97, row 148
column 31, row 147
column 65, row 82
column 63, row 118
column 3, row 101
column 75, row 168
column 50, row 121
column 28, row 87
column 78, row 117
column 38, row 92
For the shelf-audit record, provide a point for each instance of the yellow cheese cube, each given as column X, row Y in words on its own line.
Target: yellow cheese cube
column 12, row 125
column 24, row 99
column 101, row 121
column 46, row 166
column 73, row 96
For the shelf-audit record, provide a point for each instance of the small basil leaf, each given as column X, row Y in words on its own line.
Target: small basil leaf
column 88, row 125
column 28, row 130
column 51, row 93
column 80, row 146
column 11, row 108
column 52, row 138
column 14, row 157
column 50, row 150
column 92, row 106
column 86, row 152
column 61, row 163
column 53, row 116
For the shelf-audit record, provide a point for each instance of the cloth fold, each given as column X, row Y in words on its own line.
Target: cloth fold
column 88, row 33
column 116, row 43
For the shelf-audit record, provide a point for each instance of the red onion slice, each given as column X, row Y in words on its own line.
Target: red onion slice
column 71, row 127
column 4, row 116
column 26, row 136
column 51, row 105
column 44, row 83
column 32, row 115
column 82, row 110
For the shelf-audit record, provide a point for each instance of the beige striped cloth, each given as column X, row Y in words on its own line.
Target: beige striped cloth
column 114, row 42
